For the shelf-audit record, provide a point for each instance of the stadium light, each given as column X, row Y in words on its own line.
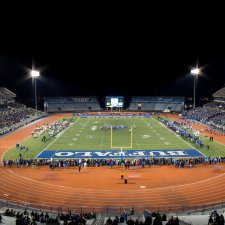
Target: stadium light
column 35, row 74
column 195, row 72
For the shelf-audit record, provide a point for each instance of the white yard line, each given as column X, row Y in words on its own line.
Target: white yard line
column 102, row 137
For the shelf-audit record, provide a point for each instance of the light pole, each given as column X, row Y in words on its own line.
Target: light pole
column 195, row 73
column 35, row 74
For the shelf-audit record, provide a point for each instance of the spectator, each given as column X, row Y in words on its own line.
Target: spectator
column 132, row 211
column 109, row 221
column 130, row 221
column 164, row 217
column 122, row 219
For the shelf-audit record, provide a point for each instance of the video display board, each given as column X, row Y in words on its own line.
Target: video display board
column 114, row 101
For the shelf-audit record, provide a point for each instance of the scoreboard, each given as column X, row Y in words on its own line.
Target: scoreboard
column 114, row 101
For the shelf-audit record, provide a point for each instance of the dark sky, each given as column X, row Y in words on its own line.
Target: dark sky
column 110, row 55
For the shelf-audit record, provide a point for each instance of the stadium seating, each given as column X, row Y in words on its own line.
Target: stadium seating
column 156, row 104
column 70, row 104
column 25, row 216
column 219, row 94
column 211, row 114
column 13, row 114
column 6, row 96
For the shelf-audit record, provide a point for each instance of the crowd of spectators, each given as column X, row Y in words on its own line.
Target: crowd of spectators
column 202, row 114
column 217, row 121
column 216, row 219
column 15, row 115
column 212, row 114
column 125, row 163
column 218, row 105
column 30, row 218
column 150, row 218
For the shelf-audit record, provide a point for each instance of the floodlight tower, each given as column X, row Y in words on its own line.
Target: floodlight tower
column 195, row 72
column 35, row 74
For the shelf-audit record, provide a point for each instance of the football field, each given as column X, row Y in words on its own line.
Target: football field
column 130, row 133
column 113, row 135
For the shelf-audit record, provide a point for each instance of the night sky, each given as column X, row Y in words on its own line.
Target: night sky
column 105, row 56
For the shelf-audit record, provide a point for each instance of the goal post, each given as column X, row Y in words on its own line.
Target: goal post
column 121, row 147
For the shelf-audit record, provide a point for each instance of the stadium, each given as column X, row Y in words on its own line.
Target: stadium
column 112, row 115
column 111, row 118
column 70, row 156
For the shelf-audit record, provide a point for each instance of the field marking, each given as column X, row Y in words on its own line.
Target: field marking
column 54, row 140
column 93, row 128
column 70, row 144
column 179, row 147
column 102, row 136
column 58, row 147
column 145, row 136
column 142, row 186
column 90, row 137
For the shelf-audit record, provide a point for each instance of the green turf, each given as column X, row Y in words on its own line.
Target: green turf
column 85, row 134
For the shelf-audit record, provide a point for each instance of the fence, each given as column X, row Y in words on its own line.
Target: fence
column 177, row 209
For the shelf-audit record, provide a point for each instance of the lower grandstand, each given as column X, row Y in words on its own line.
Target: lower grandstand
column 213, row 113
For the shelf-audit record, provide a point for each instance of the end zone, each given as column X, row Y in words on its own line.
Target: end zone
column 77, row 154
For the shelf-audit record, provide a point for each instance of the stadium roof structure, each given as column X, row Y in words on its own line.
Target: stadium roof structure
column 220, row 93
column 5, row 93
